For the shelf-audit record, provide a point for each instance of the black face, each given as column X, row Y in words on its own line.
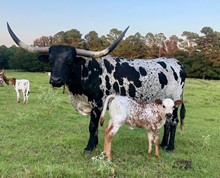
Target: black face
column 61, row 61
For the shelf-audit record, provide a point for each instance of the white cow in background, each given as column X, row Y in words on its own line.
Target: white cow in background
column 21, row 85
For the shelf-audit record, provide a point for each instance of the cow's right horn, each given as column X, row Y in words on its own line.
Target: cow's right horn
column 32, row 49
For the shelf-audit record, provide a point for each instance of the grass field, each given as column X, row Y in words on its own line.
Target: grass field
column 46, row 137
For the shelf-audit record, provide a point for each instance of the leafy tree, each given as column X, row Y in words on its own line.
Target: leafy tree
column 73, row 37
column 171, row 45
column 44, row 41
column 134, row 47
column 23, row 60
column 59, row 38
column 113, row 35
column 5, row 55
column 93, row 41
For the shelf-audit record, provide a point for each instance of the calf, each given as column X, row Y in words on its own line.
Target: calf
column 149, row 116
column 21, row 85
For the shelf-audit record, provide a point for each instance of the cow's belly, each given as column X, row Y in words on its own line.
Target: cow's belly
column 81, row 104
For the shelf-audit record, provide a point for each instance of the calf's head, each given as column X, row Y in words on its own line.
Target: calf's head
column 167, row 106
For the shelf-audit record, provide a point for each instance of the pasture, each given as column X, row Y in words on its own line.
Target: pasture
column 46, row 137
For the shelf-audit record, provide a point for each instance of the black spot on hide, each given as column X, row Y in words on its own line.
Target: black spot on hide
column 163, row 64
column 116, row 87
column 108, row 86
column 94, row 67
column 107, row 92
column 174, row 74
column 142, row 71
column 131, row 90
column 109, row 66
column 123, row 91
column 163, row 79
column 124, row 70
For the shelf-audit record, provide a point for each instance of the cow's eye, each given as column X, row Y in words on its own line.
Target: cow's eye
column 163, row 106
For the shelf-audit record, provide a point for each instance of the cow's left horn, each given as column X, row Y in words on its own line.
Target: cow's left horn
column 104, row 52
column 32, row 49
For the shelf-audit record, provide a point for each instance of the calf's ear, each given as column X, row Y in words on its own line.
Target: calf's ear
column 177, row 102
column 43, row 58
column 158, row 101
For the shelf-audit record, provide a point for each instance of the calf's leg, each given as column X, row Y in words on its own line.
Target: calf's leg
column 110, row 131
column 150, row 140
column 18, row 96
column 156, row 143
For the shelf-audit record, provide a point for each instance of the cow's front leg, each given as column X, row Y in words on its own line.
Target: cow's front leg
column 173, row 126
column 165, row 135
column 93, row 130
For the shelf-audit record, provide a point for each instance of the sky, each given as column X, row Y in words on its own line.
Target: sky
column 32, row 19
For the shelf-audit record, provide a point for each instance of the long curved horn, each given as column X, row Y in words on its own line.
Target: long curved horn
column 81, row 52
column 32, row 49
column 104, row 52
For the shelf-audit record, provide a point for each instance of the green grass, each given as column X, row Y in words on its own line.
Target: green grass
column 46, row 137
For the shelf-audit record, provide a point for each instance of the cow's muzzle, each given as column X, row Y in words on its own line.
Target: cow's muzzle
column 56, row 82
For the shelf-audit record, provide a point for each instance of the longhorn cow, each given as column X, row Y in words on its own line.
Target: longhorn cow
column 90, row 80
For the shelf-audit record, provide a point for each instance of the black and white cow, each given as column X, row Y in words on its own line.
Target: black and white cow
column 90, row 81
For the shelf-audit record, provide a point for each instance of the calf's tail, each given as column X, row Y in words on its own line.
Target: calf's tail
column 102, row 117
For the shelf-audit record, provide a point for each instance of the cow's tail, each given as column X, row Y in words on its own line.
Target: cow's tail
column 102, row 118
column 182, row 113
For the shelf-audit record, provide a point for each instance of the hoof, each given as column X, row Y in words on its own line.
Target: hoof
column 162, row 146
column 87, row 151
column 169, row 149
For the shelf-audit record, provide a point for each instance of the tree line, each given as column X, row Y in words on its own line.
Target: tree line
column 199, row 53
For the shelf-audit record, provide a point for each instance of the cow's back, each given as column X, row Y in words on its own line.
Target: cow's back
column 143, row 79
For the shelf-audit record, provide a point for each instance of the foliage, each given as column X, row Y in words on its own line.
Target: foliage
column 103, row 166
column 48, row 99
column 200, row 54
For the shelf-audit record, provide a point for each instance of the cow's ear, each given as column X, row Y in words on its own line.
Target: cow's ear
column 43, row 58
column 158, row 101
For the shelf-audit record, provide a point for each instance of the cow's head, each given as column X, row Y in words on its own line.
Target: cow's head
column 61, row 61
column 61, row 57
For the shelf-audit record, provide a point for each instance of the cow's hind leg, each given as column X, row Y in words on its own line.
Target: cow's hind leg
column 93, row 130
column 173, row 126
